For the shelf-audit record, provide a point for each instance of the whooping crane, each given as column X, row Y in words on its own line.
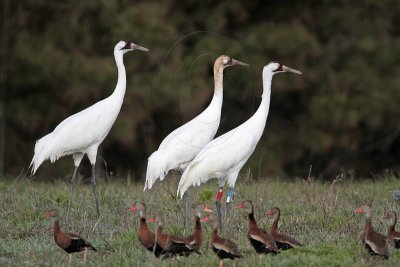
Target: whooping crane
column 182, row 145
column 83, row 132
column 224, row 156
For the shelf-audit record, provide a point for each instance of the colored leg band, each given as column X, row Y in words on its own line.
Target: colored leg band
column 219, row 195
column 231, row 196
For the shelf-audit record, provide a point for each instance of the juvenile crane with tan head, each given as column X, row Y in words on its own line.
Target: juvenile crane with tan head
column 180, row 147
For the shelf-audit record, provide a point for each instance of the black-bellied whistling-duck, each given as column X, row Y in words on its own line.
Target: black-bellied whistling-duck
column 146, row 237
column 69, row 242
column 224, row 248
column 194, row 241
column 393, row 236
column 171, row 244
column 282, row 241
column 374, row 242
column 259, row 238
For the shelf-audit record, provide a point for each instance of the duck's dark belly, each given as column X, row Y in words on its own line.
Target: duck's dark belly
column 283, row 245
column 222, row 254
column 260, row 247
column 373, row 253
column 77, row 245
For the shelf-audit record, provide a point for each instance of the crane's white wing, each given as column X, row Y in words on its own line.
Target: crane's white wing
column 222, row 156
column 75, row 134
column 183, row 144
column 196, row 134
column 85, row 128
column 179, row 148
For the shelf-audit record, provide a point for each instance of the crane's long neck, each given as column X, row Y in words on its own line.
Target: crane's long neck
column 266, row 96
column 218, row 85
column 120, row 88
column 260, row 117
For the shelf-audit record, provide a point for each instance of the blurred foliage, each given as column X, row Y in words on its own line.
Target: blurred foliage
column 342, row 113
column 205, row 196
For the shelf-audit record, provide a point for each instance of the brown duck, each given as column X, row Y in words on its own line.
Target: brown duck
column 146, row 237
column 171, row 244
column 374, row 242
column 259, row 238
column 69, row 242
column 195, row 240
column 282, row 241
column 224, row 248
column 393, row 236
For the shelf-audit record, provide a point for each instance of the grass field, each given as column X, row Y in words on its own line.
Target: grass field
column 318, row 214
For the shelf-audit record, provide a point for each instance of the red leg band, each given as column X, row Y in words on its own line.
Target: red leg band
column 219, row 195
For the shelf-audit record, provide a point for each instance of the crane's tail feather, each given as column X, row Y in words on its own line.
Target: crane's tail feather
column 43, row 152
column 185, row 181
column 192, row 176
column 39, row 153
column 157, row 168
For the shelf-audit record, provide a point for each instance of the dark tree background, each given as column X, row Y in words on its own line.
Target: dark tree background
column 341, row 114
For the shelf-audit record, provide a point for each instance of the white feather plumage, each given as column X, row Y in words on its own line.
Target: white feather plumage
column 84, row 131
column 182, row 145
column 224, row 156
column 79, row 133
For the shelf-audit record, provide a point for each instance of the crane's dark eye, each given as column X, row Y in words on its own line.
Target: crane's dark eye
column 126, row 46
column 279, row 68
column 229, row 62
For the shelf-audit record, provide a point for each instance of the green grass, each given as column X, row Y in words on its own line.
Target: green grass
column 318, row 214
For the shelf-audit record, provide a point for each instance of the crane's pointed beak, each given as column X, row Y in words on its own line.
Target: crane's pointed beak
column 237, row 62
column 138, row 47
column 287, row 69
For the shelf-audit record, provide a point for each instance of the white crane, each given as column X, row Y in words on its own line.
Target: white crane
column 83, row 132
column 183, row 144
column 224, row 156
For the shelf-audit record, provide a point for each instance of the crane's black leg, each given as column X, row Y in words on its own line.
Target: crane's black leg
column 93, row 182
column 218, row 205
column 71, row 190
column 230, row 199
column 186, row 208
